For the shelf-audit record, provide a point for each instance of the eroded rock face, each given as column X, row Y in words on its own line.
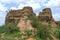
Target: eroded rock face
column 15, row 15
column 21, row 17
column 48, row 11
column 25, row 25
column 45, row 17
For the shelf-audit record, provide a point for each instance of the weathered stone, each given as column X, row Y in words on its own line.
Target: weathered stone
column 48, row 11
column 25, row 25
column 15, row 15
column 45, row 17
column 21, row 18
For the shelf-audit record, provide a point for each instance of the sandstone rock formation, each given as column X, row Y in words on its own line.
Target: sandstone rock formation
column 25, row 25
column 45, row 17
column 21, row 17
column 16, row 15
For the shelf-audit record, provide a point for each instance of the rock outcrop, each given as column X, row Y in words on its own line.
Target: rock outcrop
column 21, row 17
column 16, row 15
column 45, row 17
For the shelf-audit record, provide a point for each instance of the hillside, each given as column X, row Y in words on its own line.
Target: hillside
column 23, row 24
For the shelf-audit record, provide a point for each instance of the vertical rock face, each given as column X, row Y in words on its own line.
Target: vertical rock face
column 25, row 25
column 45, row 17
column 48, row 11
column 21, row 17
column 16, row 15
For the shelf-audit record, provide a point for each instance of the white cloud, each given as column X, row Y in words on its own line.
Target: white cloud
column 2, row 18
column 52, row 3
column 34, row 5
column 14, row 8
column 36, row 1
column 19, row 1
column 12, row 1
column 2, row 8
column 56, row 16
column 2, row 13
column 22, row 3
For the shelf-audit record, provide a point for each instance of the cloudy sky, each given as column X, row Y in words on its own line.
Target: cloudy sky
column 37, row 5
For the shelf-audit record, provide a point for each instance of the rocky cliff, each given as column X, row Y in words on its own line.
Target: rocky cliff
column 45, row 17
column 21, row 18
column 16, row 15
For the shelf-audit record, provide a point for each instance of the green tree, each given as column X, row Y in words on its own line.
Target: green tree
column 34, row 20
column 43, row 32
column 57, row 32
column 10, row 28
column 2, row 29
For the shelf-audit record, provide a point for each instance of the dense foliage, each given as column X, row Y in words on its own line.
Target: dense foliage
column 9, row 28
column 43, row 32
column 34, row 20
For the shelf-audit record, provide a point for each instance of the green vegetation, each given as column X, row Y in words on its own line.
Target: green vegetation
column 43, row 13
column 57, row 32
column 34, row 20
column 9, row 28
column 11, row 31
column 44, row 32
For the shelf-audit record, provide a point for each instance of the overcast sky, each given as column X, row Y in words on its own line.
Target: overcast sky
column 37, row 5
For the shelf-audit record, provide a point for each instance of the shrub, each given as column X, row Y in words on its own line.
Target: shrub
column 37, row 38
column 43, row 31
column 57, row 33
column 10, row 28
column 2, row 29
column 34, row 20
column 28, row 32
